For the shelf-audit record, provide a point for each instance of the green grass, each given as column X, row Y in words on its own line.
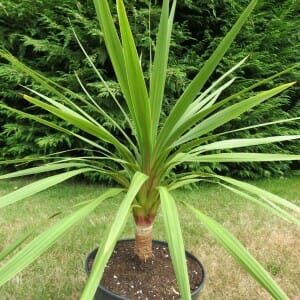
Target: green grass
column 59, row 273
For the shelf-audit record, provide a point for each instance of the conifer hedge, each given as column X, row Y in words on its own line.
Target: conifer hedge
column 39, row 33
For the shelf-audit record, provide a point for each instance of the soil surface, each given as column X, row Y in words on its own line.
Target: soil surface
column 126, row 276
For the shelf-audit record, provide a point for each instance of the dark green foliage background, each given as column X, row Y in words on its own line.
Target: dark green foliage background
column 39, row 33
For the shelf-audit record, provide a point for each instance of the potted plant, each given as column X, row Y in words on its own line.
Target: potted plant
column 142, row 161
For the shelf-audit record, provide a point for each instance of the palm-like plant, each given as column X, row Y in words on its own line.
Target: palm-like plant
column 142, row 161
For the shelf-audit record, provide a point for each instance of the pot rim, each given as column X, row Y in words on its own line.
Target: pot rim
column 189, row 254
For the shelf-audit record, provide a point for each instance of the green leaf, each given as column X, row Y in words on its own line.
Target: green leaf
column 273, row 208
column 83, row 124
column 240, row 253
column 55, row 103
column 136, row 83
column 46, row 239
column 108, row 243
column 106, row 86
column 258, row 125
column 113, row 46
column 237, row 95
column 159, row 70
column 74, row 118
column 202, row 99
column 182, row 182
column 223, row 116
column 46, row 83
column 241, row 157
column 38, row 186
column 42, row 169
column 194, row 143
column 49, row 85
column 257, row 84
column 238, row 143
column 17, row 243
column 175, row 242
column 199, row 81
column 204, row 103
column 262, row 194
column 228, row 157
column 54, row 126
column 107, row 116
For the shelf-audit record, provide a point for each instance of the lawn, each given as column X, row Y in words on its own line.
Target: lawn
column 59, row 273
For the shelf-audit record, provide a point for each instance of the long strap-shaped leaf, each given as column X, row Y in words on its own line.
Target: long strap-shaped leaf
column 17, row 243
column 86, row 117
column 136, row 83
column 238, row 143
column 45, row 240
column 229, row 157
column 55, row 126
column 205, row 103
column 244, row 91
column 113, row 46
column 257, row 84
column 42, row 169
column 203, row 75
column 219, row 80
column 76, row 111
column 83, row 124
column 263, row 194
column 259, row 125
column 272, row 207
column 46, row 83
column 115, row 51
column 73, row 117
column 194, row 143
column 38, row 186
column 110, row 118
column 237, row 95
column 204, row 95
column 104, row 83
column 182, row 182
column 108, row 243
column 265, row 203
column 242, row 157
column 223, row 116
column 175, row 242
column 241, row 254
column 159, row 70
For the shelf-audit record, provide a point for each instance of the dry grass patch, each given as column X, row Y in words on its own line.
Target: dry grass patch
column 59, row 273
column 276, row 247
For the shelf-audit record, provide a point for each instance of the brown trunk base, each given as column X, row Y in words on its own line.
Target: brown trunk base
column 143, row 242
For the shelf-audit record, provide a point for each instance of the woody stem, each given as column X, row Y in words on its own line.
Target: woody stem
column 143, row 241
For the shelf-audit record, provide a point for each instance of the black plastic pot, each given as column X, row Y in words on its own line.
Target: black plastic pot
column 104, row 294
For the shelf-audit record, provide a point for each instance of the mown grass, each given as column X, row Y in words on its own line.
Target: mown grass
column 59, row 274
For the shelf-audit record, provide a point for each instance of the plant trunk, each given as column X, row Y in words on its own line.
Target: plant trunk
column 143, row 241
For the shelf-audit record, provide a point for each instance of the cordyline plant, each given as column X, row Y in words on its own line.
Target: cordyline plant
column 142, row 161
